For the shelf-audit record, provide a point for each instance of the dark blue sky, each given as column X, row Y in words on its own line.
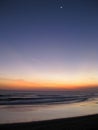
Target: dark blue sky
column 39, row 40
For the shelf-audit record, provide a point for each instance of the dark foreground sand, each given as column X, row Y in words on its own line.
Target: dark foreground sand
column 76, row 123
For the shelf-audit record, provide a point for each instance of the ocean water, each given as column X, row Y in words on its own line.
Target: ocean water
column 24, row 106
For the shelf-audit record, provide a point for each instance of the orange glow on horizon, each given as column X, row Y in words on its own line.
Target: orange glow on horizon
column 22, row 84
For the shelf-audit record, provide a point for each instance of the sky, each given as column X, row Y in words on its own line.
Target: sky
column 48, row 43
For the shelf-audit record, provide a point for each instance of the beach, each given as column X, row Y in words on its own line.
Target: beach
column 89, row 122
column 48, row 65
column 26, row 107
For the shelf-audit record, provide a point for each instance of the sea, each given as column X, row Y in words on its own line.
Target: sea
column 30, row 106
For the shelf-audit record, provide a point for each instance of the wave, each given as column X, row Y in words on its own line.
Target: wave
column 30, row 98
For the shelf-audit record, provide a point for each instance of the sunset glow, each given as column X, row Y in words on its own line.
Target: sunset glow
column 45, row 46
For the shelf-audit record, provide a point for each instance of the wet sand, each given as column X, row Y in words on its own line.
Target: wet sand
column 89, row 122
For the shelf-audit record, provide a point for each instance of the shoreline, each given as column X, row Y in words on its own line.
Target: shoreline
column 82, row 123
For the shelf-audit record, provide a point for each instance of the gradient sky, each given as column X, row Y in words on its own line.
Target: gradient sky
column 49, row 42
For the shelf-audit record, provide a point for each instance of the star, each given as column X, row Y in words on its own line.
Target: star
column 61, row 7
